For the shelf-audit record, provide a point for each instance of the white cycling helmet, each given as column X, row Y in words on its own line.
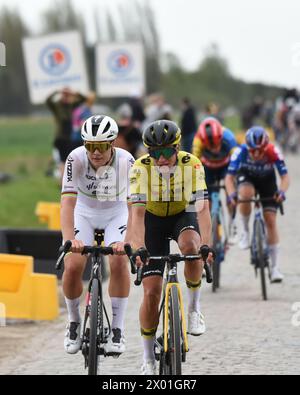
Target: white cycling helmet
column 99, row 128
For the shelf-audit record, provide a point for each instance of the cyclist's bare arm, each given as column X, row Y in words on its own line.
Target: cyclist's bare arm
column 204, row 219
column 68, row 204
column 285, row 183
column 138, row 226
column 230, row 184
column 129, row 231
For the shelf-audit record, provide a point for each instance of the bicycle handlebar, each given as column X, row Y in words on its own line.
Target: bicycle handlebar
column 66, row 248
column 176, row 258
column 99, row 250
column 262, row 200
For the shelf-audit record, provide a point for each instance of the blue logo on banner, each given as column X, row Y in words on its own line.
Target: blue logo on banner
column 120, row 63
column 55, row 60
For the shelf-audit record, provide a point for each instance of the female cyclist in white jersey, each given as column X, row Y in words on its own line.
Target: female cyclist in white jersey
column 94, row 196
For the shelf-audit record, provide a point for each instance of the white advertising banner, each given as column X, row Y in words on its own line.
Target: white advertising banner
column 120, row 70
column 53, row 62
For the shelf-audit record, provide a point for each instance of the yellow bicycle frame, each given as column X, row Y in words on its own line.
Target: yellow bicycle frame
column 166, row 317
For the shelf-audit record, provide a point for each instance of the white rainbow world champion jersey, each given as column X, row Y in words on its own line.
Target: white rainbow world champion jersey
column 104, row 189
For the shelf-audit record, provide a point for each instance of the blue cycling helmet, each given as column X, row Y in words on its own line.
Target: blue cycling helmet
column 257, row 138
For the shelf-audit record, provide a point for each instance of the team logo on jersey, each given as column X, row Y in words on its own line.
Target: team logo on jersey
column 146, row 161
column 55, row 60
column 186, row 159
column 70, row 169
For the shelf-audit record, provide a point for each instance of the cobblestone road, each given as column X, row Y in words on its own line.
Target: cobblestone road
column 244, row 334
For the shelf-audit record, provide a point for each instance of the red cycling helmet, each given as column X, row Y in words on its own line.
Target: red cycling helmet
column 211, row 132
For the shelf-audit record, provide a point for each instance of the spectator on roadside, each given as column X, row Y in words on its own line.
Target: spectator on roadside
column 268, row 113
column 157, row 109
column 79, row 116
column 188, row 125
column 62, row 104
column 129, row 137
column 252, row 114
column 284, row 106
column 137, row 109
column 213, row 110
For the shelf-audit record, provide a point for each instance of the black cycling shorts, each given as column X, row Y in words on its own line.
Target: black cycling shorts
column 265, row 186
column 159, row 231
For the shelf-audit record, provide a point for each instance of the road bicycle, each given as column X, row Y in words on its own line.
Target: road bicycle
column 171, row 347
column 219, row 233
column 96, row 324
column 260, row 258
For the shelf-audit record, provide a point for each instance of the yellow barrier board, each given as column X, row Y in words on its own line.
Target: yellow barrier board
column 49, row 213
column 27, row 295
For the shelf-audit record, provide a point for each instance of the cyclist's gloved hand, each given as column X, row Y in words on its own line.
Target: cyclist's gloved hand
column 208, row 254
column 232, row 199
column 280, row 196
column 140, row 257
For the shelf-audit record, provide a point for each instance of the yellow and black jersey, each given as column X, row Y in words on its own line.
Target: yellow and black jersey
column 168, row 193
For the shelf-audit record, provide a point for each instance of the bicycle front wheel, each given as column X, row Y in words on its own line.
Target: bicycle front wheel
column 216, row 263
column 94, row 329
column 259, row 238
column 174, row 339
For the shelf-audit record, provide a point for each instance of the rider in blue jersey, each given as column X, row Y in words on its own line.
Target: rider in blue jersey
column 253, row 167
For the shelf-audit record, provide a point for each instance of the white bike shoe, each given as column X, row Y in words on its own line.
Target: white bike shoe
column 149, row 368
column 196, row 324
column 73, row 341
column 244, row 243
column 233, row 235
column 116, row 343
column 276, row 276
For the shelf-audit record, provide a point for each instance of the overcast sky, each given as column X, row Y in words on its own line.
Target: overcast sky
column 259, row 38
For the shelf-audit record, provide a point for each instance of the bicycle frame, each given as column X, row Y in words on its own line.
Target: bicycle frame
column 96, row 274
column 215, row 203
column 218, row 211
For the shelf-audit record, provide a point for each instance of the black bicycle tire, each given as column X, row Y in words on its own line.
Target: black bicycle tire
column 216, row 263
column 94, row 321
column 261, row 259
column 175, row 333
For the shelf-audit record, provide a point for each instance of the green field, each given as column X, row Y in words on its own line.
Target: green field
column 25, row 153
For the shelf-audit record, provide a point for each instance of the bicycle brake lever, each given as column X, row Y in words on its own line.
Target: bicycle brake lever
column 138, row 280
column 129, row 253
column 209, row 275
column 63, row 250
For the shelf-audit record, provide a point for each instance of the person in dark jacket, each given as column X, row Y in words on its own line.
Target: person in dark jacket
column 62, row 104
column 129, row 137
column 188, row 125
